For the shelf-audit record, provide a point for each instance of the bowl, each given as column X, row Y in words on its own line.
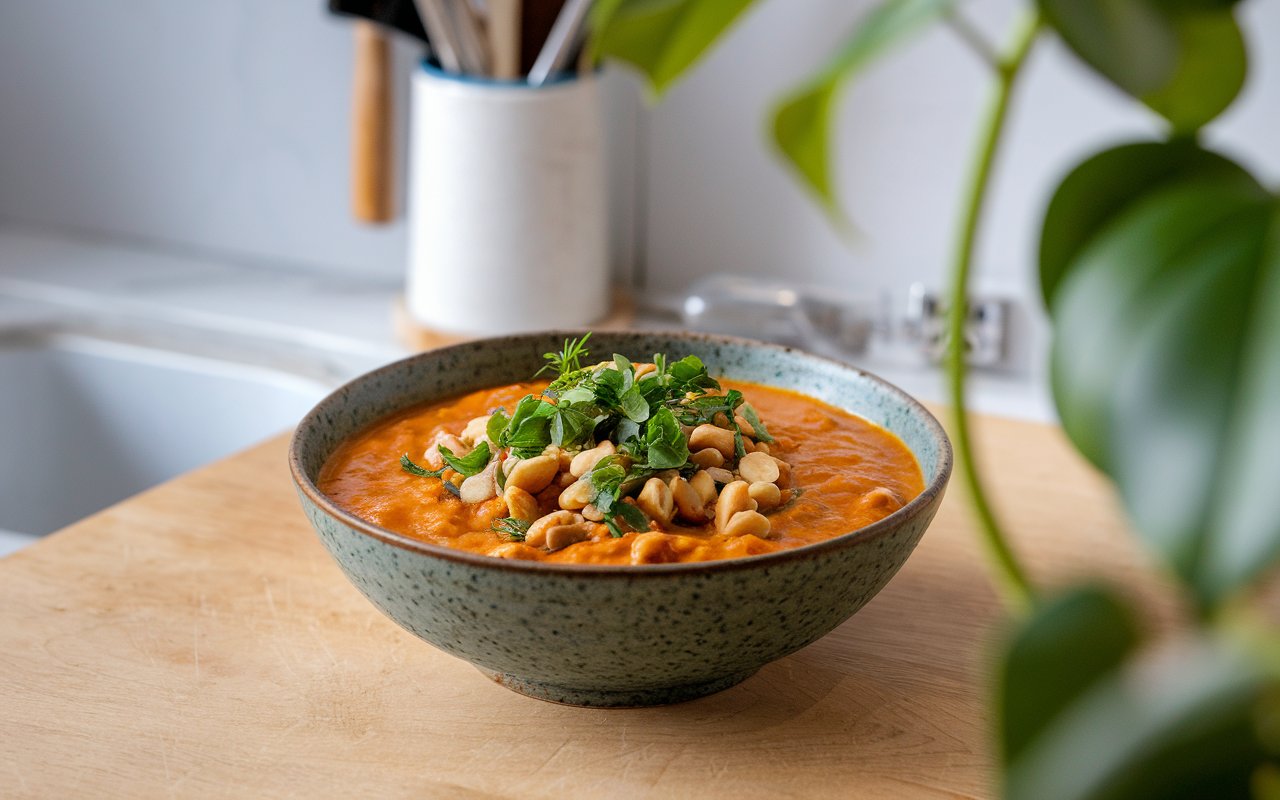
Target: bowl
column 610, row 636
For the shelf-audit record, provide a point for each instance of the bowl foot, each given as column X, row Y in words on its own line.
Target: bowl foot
column 630, row 698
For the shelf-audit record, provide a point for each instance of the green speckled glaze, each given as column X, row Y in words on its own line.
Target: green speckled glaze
column 608, row 635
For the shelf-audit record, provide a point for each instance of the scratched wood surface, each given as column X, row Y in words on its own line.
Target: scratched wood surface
column 198, row 641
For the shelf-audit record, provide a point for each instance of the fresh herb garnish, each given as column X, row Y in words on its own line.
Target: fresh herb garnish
column 753, row 419
column 665, row 444
column 407, row 464
column 410, row 467
column 498, row 422
column 472, row 463
column 568, row 359
column 510, row 529
column 645, row 416
column 528, row 431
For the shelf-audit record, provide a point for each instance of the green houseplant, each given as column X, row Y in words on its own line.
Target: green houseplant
column 1160, row 269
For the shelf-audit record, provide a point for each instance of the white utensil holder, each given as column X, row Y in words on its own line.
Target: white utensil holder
column 507, row 205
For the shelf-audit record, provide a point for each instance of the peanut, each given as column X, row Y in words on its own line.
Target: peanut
column 688, row 501
column 651, row 548
column 748, row 523
column 734, row 498
column 645, row 369
column 536, row 536
column 585, row 461
column 520, row 504
column 766, row 495
column 655, row 500
column 533, row 474
column 758, row 468
column 561, row 536
column 881, row 498
column 707, row 457
column 475, row 430
column 704, row 485
column 592, row 513
column 745, row 426
column 719, row 475
column 705, row 436
column 452, row 443
column 512, row 550
column 784, row 473
column 762, row 447
column 481, row 486
column 577, row 495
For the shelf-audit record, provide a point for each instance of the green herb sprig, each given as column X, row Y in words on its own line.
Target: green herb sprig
column 407, row 464
column 510, row 529
column 568, row 359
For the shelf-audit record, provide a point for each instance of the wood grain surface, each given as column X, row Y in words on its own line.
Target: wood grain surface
column 198, row 641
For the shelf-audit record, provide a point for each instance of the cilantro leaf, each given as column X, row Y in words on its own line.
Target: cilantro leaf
column 753, row 419
column 497, row 424
column 408, row 466
column 472, row 463
column 632, row 516
column 634, row 405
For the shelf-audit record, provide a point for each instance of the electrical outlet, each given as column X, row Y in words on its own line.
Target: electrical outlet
column 986, row 329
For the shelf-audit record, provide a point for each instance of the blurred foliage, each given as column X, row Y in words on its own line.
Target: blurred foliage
column 803, row 120
column 661, row 38
column 1160, row 267
column 1166, row 357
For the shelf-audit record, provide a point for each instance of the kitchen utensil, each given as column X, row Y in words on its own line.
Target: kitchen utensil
column 823, row 320
column 401, row 15
column 372, row 159
column 537, row 17
column 504, row 37
column 438, row 23
column 372, row 184
column 507, row 208
column 562, row 41
column 473, row 50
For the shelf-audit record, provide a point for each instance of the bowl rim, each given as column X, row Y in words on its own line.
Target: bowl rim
column 932, row 491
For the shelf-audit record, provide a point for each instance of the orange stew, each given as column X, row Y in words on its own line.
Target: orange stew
column 846, row 473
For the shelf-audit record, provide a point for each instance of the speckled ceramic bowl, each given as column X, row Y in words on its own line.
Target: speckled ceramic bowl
column 616, row 636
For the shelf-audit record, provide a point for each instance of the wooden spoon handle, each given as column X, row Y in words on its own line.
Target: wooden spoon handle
column 371, row 157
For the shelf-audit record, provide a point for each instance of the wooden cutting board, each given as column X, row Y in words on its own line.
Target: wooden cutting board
column 198, row 641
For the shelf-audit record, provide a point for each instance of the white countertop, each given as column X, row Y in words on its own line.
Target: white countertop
column 327, row 326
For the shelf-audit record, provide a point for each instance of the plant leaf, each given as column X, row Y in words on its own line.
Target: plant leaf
column 753, row 419
column 1211, row 69
column 1108, row 183
column 1129, row 42
column 496, row 425
column 1184, row 60
column 634, row 405
column 633, row 516
column 1166, row 370
column 407, row 464
column 472, row 463
column 802, row 121
column 1178, row 726
column 661, row 38
column 1067, row 645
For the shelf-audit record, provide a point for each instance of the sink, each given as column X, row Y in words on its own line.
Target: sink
column 86, row 421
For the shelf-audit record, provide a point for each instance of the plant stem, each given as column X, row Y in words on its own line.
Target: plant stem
column 1016, row 586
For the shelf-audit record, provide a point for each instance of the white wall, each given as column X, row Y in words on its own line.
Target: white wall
column 221, row 125
column 719, row 201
